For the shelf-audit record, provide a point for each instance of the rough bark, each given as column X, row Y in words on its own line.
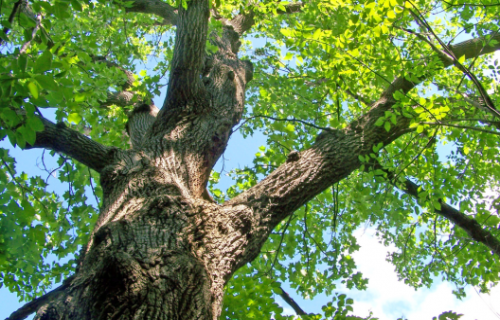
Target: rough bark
column 159, row 250
column 62, row 139
column 139, row 121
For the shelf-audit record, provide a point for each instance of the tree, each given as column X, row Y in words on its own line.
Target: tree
column 355, row 98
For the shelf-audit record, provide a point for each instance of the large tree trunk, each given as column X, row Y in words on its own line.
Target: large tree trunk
column 159, row 250
column 166, row 257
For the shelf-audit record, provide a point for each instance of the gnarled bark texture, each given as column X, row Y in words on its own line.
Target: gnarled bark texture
column 161, row 248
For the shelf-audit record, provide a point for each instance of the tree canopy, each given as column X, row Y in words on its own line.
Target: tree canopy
column 419, row 73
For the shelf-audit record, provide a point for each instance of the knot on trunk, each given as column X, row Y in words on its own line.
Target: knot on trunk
column 248, row 70
column 293, row 156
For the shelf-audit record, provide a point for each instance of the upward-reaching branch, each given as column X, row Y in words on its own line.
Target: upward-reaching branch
column 333, row 157
column 185, row 89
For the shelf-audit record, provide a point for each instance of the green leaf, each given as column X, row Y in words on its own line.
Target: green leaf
column 80, row 97
column 22, row 62
column 46, row 82
column 317, row 34
column 76, row 5
column 61, row 10
column 387, row 126
column 380, row 121
column 20, row 140
column 28, row 134
column 33, row 88
column 74, row 118
column 35, row 123
column 437, row 205
column 393, row 119
column 44, row 62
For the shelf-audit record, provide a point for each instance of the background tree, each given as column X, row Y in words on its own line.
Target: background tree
column 355, row 98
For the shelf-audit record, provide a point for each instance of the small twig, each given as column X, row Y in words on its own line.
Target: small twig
column 54, row 170
column 70, row 186
column 27, row 44
column 290, row 120
column 304, row 235
column 11, row 18
column 471, row 4
column 408, row 238
column 429, row 142
column 451, row 56
column 285, row 296
column 461, row 127
column 23, row 188
column 13, row 176
column 281, row 145
column 279, row 245
column 335, row 196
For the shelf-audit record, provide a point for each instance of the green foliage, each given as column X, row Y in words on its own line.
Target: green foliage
column 307, row 69
column 39, row 229
column 448, row 315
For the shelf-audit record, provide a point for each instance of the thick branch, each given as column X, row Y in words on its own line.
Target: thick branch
column 241, row 23
column 332, row 158
column 468, row 224
column 470, row 48
column 121, row 99
column 185, row 88
column 155, row 7
column 60, row 138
